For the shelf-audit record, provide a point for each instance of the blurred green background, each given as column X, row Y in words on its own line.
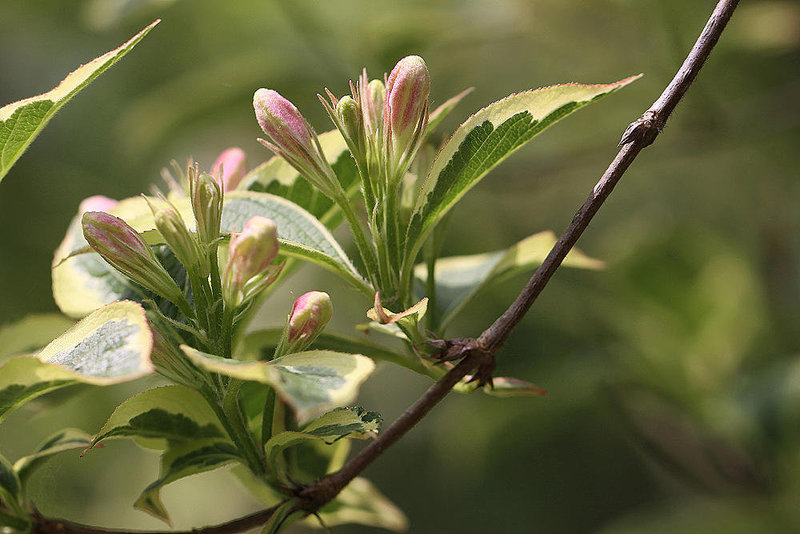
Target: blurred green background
column 673, row 375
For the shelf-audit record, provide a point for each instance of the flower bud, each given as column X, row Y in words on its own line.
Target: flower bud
column 291, row 137
column 230, row 168
column 350, row 118
column 122, row 247
column 206, row 197
column 372, row 102
column 249, row 256
column 97, row 203
column 182, row 242
column 405, row 111
column 310, row 314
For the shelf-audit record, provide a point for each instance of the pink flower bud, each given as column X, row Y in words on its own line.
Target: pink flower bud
column 405, row 111
column 97, row 203
column 122, row 247
column 310, row 314
column 249, row 255
column 291, row 137
column 281, row 121
column 230, row 168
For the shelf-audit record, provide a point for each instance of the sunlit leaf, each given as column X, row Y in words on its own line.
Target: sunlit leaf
column 21, row 122
column 487, row 138
column 31, row 333
column 459, row 279
column 162, row 415
column 311, row 382
column 110, row 346
column 181, row 461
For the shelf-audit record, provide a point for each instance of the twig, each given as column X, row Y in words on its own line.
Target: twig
column 480, row 352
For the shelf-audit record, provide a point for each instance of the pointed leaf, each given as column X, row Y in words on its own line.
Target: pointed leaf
column 439, row 114
column 487, row 138
column 110, row 346
column 181, row 461
column 311, row 382
column 460, row 278
column 21, row 122
column 162, row 415
column 69, row 439
column 361, row 503
column 31, row 333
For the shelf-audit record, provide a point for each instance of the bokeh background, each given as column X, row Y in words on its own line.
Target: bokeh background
column 673, row 374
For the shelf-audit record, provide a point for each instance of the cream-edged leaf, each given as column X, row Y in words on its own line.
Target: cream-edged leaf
column 311, row 382
column 21, row 122
column 460, row 278
column 163, row 415
column 487, row 138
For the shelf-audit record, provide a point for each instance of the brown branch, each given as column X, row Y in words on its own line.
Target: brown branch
column 480, row 352
column 46, row 525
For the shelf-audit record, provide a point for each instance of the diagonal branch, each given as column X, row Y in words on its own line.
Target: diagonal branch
column 479, row 353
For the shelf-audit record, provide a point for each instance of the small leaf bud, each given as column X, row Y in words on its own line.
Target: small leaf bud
column 206, row 198
column 230, row 168
column 350, row 119
column 182, row 242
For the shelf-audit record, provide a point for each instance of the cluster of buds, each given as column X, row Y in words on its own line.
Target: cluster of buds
column 384, row 125
column 308, row 318
column 250, row 255
column 290, row 136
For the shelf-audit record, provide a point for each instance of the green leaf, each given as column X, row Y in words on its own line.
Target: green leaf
column 11, row 497
column 181, row 461
column 110, row 346
column 67, row 439
column 260, row 345
column 31, row 333
column 361, row 503
column 301, row 234
column 21, row 122
column 311, row 382
column 459, row 279
column 487, row 138
column 329, row 428
column 163, row 415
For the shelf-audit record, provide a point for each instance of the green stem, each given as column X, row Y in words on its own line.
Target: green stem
column 365, row 249
column 268, row 416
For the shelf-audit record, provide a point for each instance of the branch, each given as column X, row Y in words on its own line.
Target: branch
column 480, row 352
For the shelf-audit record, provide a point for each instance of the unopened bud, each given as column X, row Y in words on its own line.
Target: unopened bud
column 230, row 168
column 291, row 137
column 372, row 102
column 406, row 109
column 182, row 242
column 206, row 197
column 310, row 314
column 122, row 247
column 97, row 203
column 350, row 119
column 249, row 256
